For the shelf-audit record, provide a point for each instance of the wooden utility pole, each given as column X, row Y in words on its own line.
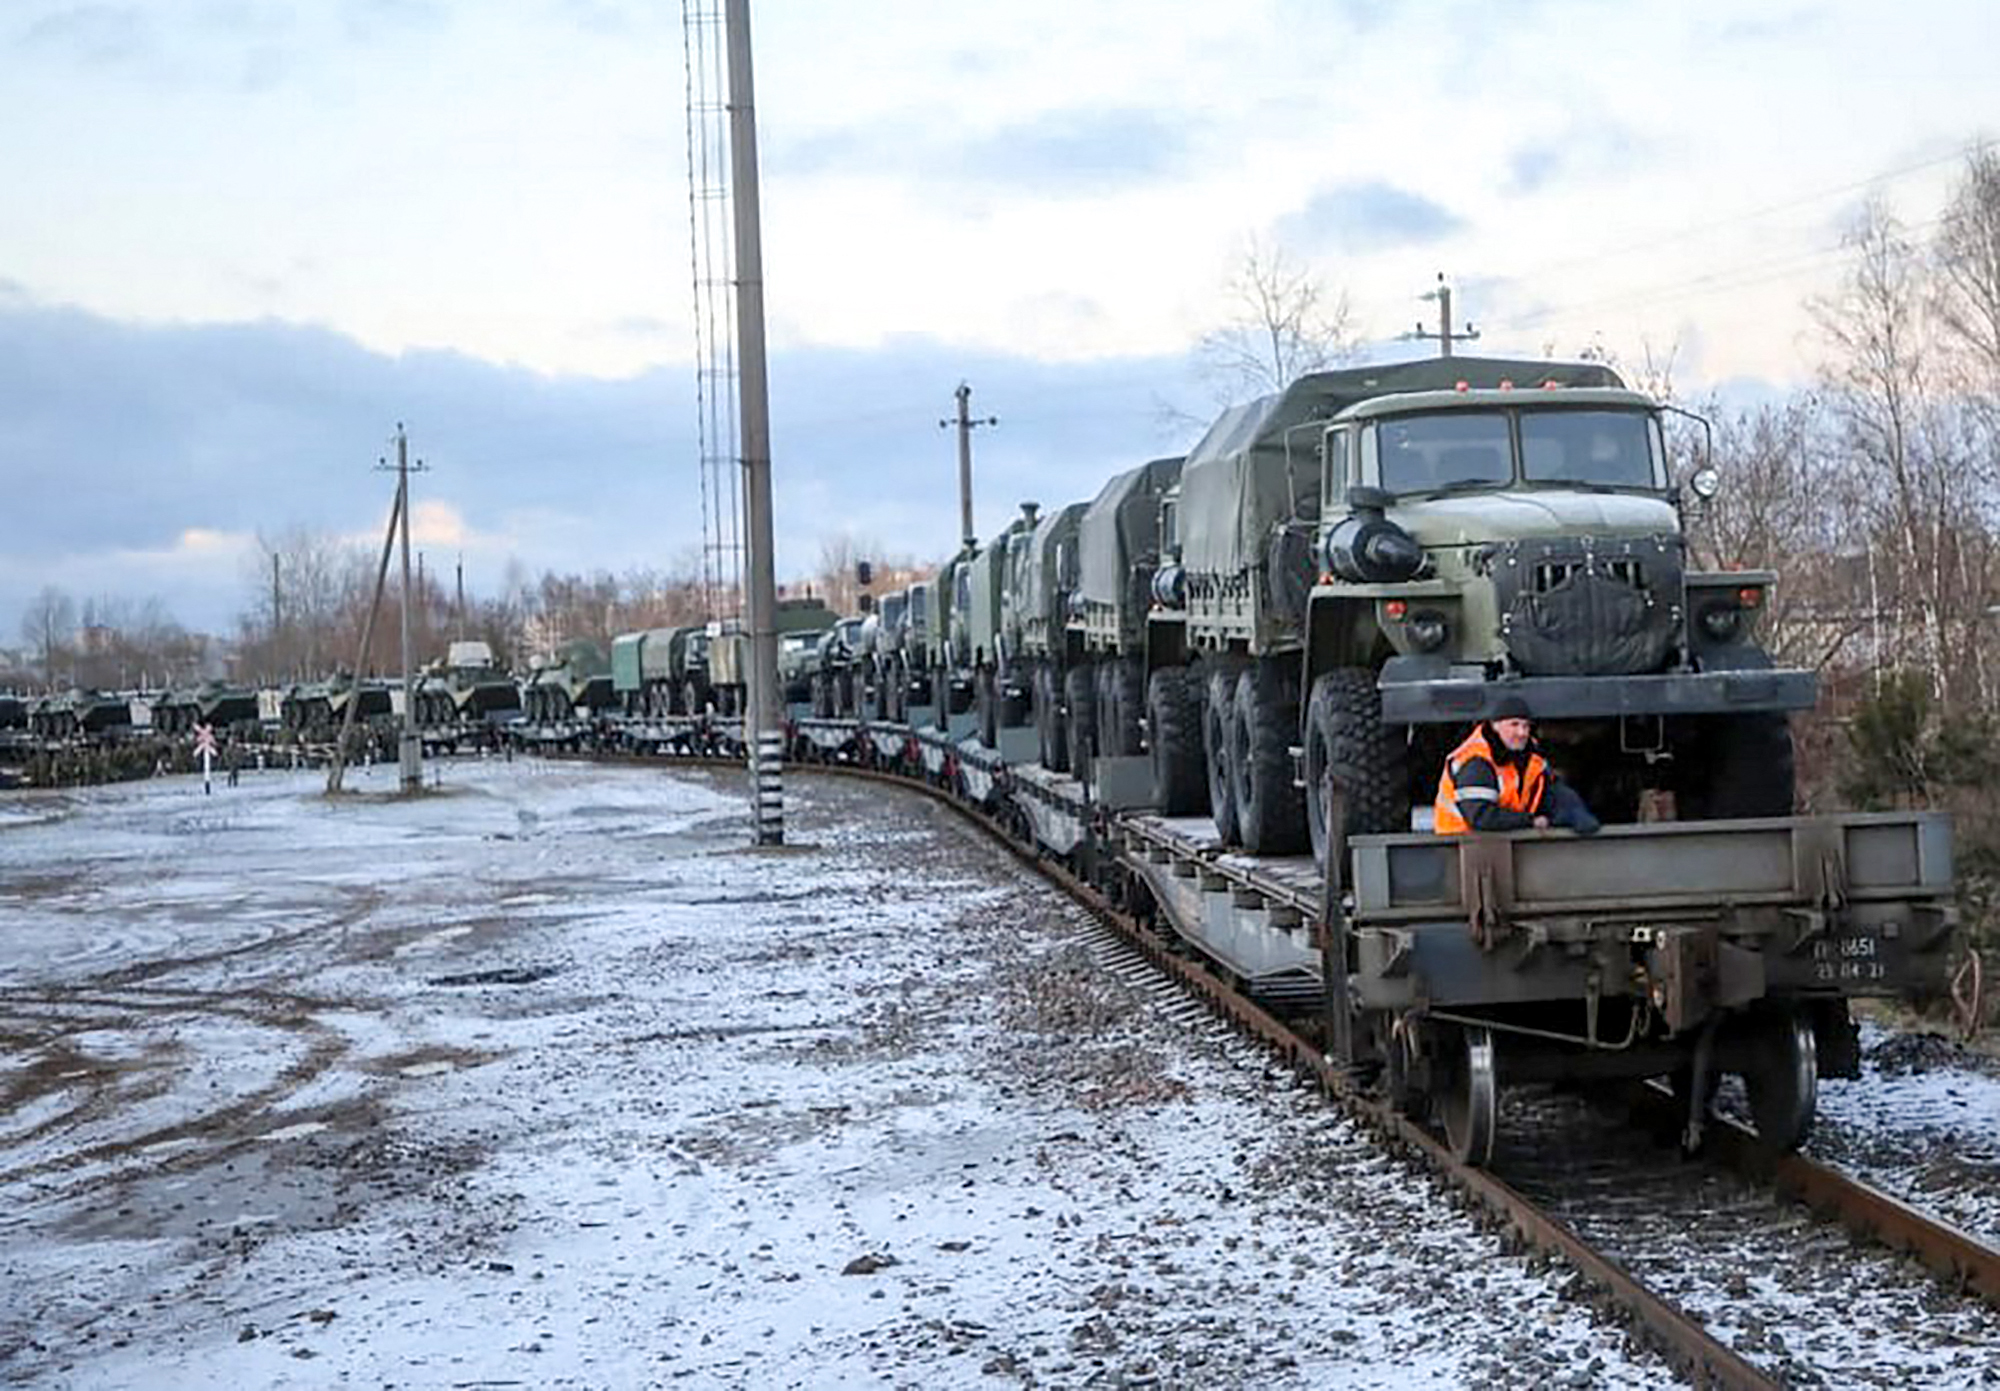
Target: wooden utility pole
column 338, row 768
column 966, row 425
column 765, row 736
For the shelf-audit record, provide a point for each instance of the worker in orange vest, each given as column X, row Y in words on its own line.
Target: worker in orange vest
column 1497, row 780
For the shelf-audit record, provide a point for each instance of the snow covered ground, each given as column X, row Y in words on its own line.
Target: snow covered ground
column 1922, row 1122
column 546, row 1078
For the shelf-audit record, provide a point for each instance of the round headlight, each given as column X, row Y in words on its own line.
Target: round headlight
column 1706, row 482
column 1427, row 630
column 1720, row 621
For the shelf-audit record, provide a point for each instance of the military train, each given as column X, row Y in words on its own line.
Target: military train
column 1224, row 687
column 1227, row 683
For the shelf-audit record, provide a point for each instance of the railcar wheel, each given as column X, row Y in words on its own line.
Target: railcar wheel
column 1468, row 1099
column 1173, row 730
column 1782, row 1081
column 1218, row 723
column 1399, row 1069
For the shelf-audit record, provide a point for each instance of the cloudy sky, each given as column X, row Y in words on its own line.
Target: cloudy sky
column 243, row 238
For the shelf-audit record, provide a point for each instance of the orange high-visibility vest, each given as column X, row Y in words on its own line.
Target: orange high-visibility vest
column 1521, row 785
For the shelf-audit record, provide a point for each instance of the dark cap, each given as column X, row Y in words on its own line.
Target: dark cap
column 1511, row 707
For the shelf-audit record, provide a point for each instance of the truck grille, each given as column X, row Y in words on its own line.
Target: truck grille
column 1589, row 606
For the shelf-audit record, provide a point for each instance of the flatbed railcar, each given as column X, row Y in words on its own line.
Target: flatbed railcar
column 1677, row 950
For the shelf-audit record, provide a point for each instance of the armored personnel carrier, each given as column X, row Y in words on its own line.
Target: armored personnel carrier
column 315, row 711
column 572, row 681
column 216, row 704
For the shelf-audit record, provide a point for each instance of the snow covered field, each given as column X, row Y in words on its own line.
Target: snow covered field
column 546, row 1078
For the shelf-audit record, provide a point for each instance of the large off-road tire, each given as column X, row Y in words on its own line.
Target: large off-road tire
column 1173, row 732
column 1218, row 723
column 1080, row 718
column 1347, row 743
column 1050, row 727
column 1016, row 696
column 1122, row 724
column 1734, row 765
column 1270, row 810
column 986, row 700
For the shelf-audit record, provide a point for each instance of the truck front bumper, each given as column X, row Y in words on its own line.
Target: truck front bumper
column 1416, row 692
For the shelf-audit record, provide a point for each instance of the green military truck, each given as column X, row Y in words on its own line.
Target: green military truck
column 1374, row 557
column 1035, row 632
column 978, row 624
column 1118, row 552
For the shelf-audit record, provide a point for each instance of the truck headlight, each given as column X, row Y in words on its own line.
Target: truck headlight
column 1721, row 621
column 1428, row 630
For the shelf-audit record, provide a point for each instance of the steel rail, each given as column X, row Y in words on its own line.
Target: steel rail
column 1693, row 1351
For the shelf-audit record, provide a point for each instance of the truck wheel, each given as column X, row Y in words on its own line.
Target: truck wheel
column 1049, row 721
column 1270, row 811
column 1128, row 707
column 1347, row 741
column 983, row 697
column 1218, row 723
column 1014, row 697
column 1173, row 720
column 1082, row 717
column 1735, row 765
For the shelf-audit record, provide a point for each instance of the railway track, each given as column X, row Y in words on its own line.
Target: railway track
column 1846, row 1308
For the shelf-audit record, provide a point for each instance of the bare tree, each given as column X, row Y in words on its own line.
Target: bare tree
column 1284, row 322
column 49, row 626
column 1967, row 256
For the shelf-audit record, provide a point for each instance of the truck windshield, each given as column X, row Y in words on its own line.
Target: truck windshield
column 1446, row 450
column 1609, row 449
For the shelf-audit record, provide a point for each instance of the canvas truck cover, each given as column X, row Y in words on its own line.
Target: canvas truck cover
column 1038, row 590
column 625, row 673
column 1238, row 483
column 656, row 653
column 804, row 615
column 1120, row 531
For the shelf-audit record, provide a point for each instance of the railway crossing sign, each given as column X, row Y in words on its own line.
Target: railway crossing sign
column 204, row 744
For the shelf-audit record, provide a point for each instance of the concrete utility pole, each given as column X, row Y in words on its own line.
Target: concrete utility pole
column 966, row 425
column 1445, row 336
column 766, row 738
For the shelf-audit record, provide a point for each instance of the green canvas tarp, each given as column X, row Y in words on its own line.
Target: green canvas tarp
column 1120, row 531
column 1241, row 481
